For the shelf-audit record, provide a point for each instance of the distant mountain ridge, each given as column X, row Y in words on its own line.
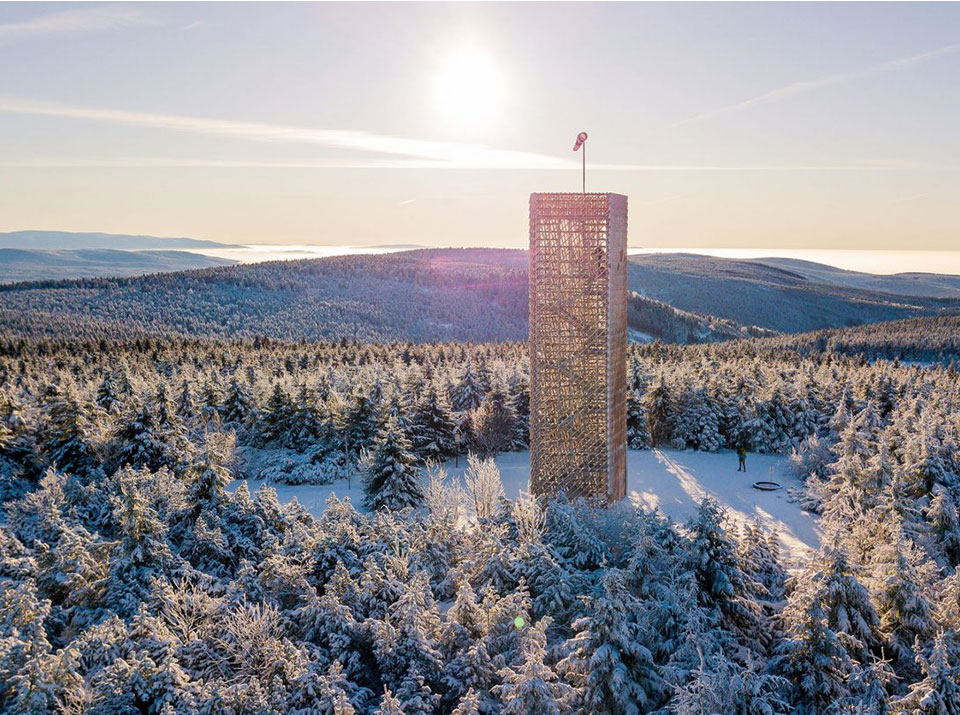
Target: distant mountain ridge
column 438, row 294
column 913, row 284
column 18, row 264
column 67, row 240
column 770, row 296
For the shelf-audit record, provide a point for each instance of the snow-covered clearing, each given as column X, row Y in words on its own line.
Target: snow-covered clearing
column 668, row 480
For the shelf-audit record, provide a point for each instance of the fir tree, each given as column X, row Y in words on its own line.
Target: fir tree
column 659, row 409
column 391, row 478
column 66, row 438
column 238, row 407
column 638, row 427
column 468, row 393
column 939, row 691
column 811, row 657
column 533, row 687
column 435, row 432
column 612, row 671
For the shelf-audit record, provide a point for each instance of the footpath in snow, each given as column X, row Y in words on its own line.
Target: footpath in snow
column 668, row 480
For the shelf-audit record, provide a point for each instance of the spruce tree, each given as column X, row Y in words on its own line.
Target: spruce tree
column 607, row 663
column 391, row 479
column 638, row 426
column 532, row 687
column 939, row 691
column 811, row 657
column 66, row 437
column 434, row 428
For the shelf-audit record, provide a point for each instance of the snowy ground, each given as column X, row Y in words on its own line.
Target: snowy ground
column 668, row 480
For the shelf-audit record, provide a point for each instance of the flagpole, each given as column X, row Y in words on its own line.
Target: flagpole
column 582, row 144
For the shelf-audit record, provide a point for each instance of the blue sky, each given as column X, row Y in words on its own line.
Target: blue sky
column 818, row 125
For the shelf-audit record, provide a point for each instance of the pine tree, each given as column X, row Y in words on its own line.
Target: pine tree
column 468, row 392
column 939, row 691
column 360, row 426
column 811, row 656
column 942, row 516
column 141, row 552
column 152, row 438
column 276, row 424
column 107, row 398
column 903, row 582
column 495, row 427
column 607, row 663
column 718, row 571
column 434, row 428
column 406, row 648
column 659, row 408
column 238, row 408
column 638, row 427
column 66, row 438
column 391, row 479
column 532, row 687
column 846, row 606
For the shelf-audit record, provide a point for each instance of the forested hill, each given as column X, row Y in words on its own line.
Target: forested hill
column 918, row 339
column 769, row 296
column 437, row 294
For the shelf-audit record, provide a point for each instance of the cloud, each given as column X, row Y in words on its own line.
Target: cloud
column 74, row 21
column 796, row 88
column 448, row 154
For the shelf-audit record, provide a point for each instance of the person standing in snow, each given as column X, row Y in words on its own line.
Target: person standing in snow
column 742, row 457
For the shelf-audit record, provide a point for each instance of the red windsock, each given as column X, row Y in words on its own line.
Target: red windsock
column 581, row 138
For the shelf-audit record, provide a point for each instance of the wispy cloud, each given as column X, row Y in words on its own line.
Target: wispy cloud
column 440, row 153
column 74, row 21
column 375, row 151
column 796, row 88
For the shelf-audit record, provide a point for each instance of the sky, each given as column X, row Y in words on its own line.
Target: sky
column 759, row 125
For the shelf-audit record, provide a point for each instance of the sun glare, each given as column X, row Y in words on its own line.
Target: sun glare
column 469, row 89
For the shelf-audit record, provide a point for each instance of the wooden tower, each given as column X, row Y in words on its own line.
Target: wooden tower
column 578, row 343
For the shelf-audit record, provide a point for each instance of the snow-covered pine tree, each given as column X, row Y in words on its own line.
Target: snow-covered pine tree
column 107, row 398
column 467, row 393
column 902, row 584
column 238, row 408
column 360, row 422
column 723, row 585
column 66, row 438
column 434, row 428
column 495, row 427
column 532, row 687
column 660, row 412
column 275, row 425
column 391, row 480
column 638, row 425
column 406, row 648
column 945, row 522
column 811, row 656
column 939, row 691
column 606, row 661
column 152, row 437
column 846, row 605
column 141, row 552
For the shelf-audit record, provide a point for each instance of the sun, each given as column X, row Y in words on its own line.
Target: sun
column 469, row 89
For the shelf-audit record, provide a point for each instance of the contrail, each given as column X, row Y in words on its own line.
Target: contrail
column 792, row 90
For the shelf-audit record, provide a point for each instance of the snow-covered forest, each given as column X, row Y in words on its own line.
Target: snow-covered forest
column 133, row 580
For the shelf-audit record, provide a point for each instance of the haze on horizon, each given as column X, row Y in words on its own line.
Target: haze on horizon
column 809, row 126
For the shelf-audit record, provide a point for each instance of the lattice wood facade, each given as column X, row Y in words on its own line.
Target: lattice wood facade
column 578, row 343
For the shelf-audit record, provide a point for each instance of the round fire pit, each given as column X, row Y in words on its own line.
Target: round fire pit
column 767, row 486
